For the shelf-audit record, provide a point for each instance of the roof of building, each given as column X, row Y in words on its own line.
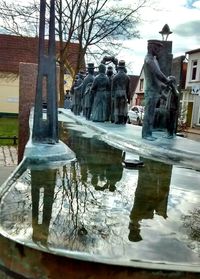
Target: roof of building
column 16, row 49
column 193, row 51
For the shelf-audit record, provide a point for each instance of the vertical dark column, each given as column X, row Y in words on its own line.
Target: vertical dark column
column 46, row 130
column 165, row 58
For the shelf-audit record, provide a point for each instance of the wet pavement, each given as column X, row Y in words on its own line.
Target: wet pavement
column 8, row 156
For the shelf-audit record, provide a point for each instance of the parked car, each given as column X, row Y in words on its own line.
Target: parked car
column 135, row 115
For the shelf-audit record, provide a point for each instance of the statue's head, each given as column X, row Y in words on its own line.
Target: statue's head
column 109, row 71
column 154, row 47
column 90, row 68
column 102, row 68
column 121, row 66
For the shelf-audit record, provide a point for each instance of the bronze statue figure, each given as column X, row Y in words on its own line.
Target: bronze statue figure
column 154, row 79
column 86, row 92
column 98, row 92
column 78, row 94
column 120, row 91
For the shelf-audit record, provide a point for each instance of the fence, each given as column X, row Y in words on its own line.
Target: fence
column 14, row 138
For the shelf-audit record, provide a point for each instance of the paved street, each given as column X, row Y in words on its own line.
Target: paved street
column 8, row 161
column 8, row 156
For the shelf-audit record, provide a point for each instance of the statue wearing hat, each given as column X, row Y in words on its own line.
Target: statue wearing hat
column 99, row 89
column 154, row 80
column 120, row 91
column 86, row 93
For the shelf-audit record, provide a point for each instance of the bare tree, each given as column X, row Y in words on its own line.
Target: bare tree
column 97, row 26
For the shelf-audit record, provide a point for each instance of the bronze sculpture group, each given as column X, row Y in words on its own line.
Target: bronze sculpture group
column 105, row 96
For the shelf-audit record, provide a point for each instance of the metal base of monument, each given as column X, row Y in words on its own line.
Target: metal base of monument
column 19, row 261
column 48, row 154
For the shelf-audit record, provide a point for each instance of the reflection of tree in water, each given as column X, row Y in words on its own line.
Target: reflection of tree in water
column 98, row 168
column 57, row 204
column 73, row 197
column 151, row 195
column 191, row 224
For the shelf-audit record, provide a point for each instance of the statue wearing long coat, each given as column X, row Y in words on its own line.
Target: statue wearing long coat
column 120, row 92
column 86, row 93
column 98, row 92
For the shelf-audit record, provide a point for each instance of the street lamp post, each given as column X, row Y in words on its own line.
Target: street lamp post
column 165, row 32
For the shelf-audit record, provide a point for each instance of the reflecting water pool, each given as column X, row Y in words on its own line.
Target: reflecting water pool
column 97, row 209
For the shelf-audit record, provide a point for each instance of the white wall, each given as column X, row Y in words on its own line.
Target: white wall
column 9, row 93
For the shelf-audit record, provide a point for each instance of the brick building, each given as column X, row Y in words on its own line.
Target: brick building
column 15, row 49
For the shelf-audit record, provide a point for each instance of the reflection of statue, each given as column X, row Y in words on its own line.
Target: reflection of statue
column 153, row 81
column 106, row 170
column 96, row 167
column 98, row 92
column 42, row 185
column 120, row 91
column 151, row 195
column 78, row 94
column 87, row 82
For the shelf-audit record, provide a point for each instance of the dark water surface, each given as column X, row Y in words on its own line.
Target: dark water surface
column 100, row 210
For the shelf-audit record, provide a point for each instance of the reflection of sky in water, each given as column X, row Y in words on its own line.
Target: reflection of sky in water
column 98, row 207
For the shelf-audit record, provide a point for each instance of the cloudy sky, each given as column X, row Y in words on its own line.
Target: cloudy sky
column 183, row 18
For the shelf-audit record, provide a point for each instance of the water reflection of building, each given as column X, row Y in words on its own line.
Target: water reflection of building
column 151, row 195
column 42, row 191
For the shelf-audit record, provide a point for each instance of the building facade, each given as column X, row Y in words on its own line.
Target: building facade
column 138, row 97
column 191, row 94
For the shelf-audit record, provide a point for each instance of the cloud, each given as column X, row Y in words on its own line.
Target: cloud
column 188, row 29
column 197, row 5
column 192, row 4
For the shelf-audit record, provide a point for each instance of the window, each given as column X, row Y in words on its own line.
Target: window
column 194, row 70
column 141, row 84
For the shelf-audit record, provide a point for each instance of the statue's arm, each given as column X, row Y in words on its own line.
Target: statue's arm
column 154, row 67
column 79, row 87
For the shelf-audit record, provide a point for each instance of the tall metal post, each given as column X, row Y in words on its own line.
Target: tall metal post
column 45, row 130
